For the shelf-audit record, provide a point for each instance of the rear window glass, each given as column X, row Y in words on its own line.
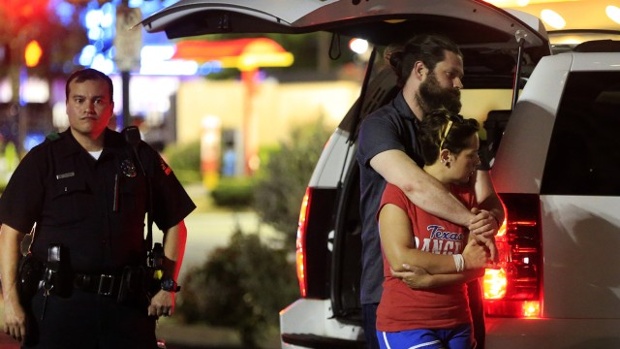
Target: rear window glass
column 584, row 153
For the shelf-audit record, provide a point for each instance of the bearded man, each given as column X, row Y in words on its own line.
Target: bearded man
column 429, row 70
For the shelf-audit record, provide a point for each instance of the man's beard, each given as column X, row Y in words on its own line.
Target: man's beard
column 432, row 96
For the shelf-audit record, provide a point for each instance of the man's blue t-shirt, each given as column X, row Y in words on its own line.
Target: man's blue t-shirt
column 392, row 126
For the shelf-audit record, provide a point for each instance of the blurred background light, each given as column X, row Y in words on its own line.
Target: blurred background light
column 358, row 46
column 613, row 12
column 87, row 55
column 156, row 60
column 553, row 19
column 108, row 12
column 104, row 65
column 65, row 11
column 93, row 19
column 35, row 90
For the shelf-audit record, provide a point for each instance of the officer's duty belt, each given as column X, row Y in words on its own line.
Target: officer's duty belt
column 102, row 284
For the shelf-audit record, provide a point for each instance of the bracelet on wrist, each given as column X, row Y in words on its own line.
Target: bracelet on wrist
column 459, row 262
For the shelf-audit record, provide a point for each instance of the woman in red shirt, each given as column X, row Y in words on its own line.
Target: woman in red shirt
column 435, row 314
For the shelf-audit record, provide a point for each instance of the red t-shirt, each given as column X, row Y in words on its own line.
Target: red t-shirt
column 402, row 308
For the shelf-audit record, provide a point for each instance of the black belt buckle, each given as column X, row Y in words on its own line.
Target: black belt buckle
column 106, row 284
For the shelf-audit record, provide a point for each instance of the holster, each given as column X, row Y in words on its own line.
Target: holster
column 134, row 287
column 30, row 273
column 57, row 276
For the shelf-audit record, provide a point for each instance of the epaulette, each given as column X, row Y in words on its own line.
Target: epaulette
column 53, row 136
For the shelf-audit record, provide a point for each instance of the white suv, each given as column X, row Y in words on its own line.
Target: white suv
column 554, row 170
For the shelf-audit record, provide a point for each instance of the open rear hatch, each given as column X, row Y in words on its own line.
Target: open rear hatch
column 485, row 33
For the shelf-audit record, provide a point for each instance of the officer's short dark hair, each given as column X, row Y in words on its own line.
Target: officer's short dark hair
column 428, row 48
column 89, row 74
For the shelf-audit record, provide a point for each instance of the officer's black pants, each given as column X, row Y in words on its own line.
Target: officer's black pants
column 89, row 321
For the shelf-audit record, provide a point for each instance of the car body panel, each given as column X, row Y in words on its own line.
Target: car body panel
column 365, row 18
column 485, row 34
column 595, row 61
column 315, row 316
column 270, row 13
column 338, row 151
column 580, row 298
column 521, row 172
column 582, row 235
column 552, row 333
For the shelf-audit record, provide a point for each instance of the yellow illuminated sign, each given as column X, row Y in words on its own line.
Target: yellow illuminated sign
column 33, row 53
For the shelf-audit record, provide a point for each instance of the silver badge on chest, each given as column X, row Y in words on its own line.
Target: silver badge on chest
column 128, row 168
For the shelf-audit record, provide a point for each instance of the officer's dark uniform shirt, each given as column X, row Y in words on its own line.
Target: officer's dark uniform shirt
column 392, row 126
column 95, row 208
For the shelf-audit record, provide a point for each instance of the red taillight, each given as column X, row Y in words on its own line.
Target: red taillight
column 300, row 244
column 513, row 289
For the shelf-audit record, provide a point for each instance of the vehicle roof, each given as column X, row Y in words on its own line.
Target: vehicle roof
column 485, row 33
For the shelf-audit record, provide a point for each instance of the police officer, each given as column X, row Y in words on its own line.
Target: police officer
column 86, row 193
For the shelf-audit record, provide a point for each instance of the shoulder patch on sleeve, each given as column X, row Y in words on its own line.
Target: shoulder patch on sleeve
column 164, row 167
column 53, row 136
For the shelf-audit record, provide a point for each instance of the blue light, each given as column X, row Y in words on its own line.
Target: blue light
column 210, row 68
column 93, row 19
column 102, row 64
column 136, row 3
column 87, row 55
column 95, row 33
column 109, row 13
column 33, row 139
column 64, row 11
column 99, row 21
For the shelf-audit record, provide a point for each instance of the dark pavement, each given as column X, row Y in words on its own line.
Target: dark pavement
column 180, row 336
column 7, row 342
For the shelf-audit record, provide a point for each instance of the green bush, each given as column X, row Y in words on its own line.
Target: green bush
column 245, row 284
column 184, row 159
column 284, row 175
column 233, row 192
column 242, row 286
